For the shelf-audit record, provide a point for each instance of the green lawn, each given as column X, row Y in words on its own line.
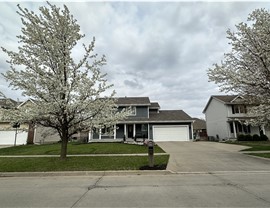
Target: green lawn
column 266, row 155
column 254, row 145
column 83, row 163
column 101, row 163
column 78, row 148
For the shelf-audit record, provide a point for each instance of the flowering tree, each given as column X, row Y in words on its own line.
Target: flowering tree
column 65, row 94
column 246, row 69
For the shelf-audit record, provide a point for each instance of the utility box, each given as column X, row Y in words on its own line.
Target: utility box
column 150, row 145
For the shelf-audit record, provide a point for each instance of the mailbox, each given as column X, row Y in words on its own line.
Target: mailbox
column 150, row 145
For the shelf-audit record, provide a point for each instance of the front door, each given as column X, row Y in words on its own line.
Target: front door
column 130, row 130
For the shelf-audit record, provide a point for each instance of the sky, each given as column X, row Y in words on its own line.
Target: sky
column 158, row 49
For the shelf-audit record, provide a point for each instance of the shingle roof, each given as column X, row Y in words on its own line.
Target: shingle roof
column 225, row 98
column 170, row 115
column 199, row 124
column 8, row 103
column 129, row 101
column 154, row 105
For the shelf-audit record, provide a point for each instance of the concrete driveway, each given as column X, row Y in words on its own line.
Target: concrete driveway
column 210, row 157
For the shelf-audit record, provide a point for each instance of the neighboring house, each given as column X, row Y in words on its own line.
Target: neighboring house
column 199, row 128
column 226, row 115
column 8, row 132
column 147, row 121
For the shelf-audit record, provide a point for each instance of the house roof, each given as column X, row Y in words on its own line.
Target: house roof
column 170, row 115
column 133, row 101
column 8, row 103
column 226, row 99
column 154, row 105
column 199, row 124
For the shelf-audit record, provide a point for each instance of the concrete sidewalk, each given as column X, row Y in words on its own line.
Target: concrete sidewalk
column 84, row 155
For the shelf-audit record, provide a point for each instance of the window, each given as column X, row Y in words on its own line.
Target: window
column 132, row 110
column 236, row 109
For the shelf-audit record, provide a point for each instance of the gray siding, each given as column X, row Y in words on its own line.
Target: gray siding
column 216, row 120
column 142, row 112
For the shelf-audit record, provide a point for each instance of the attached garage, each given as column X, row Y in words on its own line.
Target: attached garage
column 170, row 133
column 8, row 138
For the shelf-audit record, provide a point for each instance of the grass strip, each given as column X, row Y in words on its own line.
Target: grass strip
column 78, row 148
column 80, row 163
column 265, row 155
column 254, row 145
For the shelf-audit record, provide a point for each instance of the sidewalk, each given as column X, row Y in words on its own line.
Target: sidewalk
column 85, row 155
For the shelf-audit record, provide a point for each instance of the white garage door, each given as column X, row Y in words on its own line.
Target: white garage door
column 8, row 138
column 170, row 133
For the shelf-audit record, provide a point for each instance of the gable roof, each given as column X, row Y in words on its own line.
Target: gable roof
column 133, row 101
column 226, row 99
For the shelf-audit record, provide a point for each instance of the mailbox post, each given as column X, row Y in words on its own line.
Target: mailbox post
column 151, row 153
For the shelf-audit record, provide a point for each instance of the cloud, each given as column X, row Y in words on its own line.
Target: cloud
column 156, row 49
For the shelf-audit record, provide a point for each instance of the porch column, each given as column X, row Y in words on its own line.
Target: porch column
column 114, row 132
column 134, row 130
column 148, row 128
column 99, row 133
column 234, row 130
column 90, row 135
column 125, row 130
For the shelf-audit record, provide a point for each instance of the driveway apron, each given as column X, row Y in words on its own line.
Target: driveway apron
column 210, row 157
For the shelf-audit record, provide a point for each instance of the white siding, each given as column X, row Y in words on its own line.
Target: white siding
column 216, row 119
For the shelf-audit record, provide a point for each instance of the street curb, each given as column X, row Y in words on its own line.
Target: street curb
column 85, row 173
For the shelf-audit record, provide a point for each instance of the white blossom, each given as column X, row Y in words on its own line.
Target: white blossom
column 246, row 69
column 65, row 94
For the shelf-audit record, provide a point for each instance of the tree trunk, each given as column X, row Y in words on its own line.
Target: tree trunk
column 31, row 133
column 64, row 143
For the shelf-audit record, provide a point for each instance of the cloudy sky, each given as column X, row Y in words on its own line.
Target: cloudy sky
column 157, row 49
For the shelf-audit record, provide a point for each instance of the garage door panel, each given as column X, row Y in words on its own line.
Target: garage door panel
column 8, row 137
column 171, row 133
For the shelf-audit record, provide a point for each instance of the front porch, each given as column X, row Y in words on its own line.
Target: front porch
column 121, row 132
column 239, row 127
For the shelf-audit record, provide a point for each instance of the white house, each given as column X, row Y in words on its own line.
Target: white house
column 225, row 117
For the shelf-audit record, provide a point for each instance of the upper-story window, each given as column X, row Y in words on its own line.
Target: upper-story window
column 239, row 109
column 132, row 110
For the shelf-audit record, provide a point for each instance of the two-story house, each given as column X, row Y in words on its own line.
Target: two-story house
column 147, row 121
column 226, row 115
